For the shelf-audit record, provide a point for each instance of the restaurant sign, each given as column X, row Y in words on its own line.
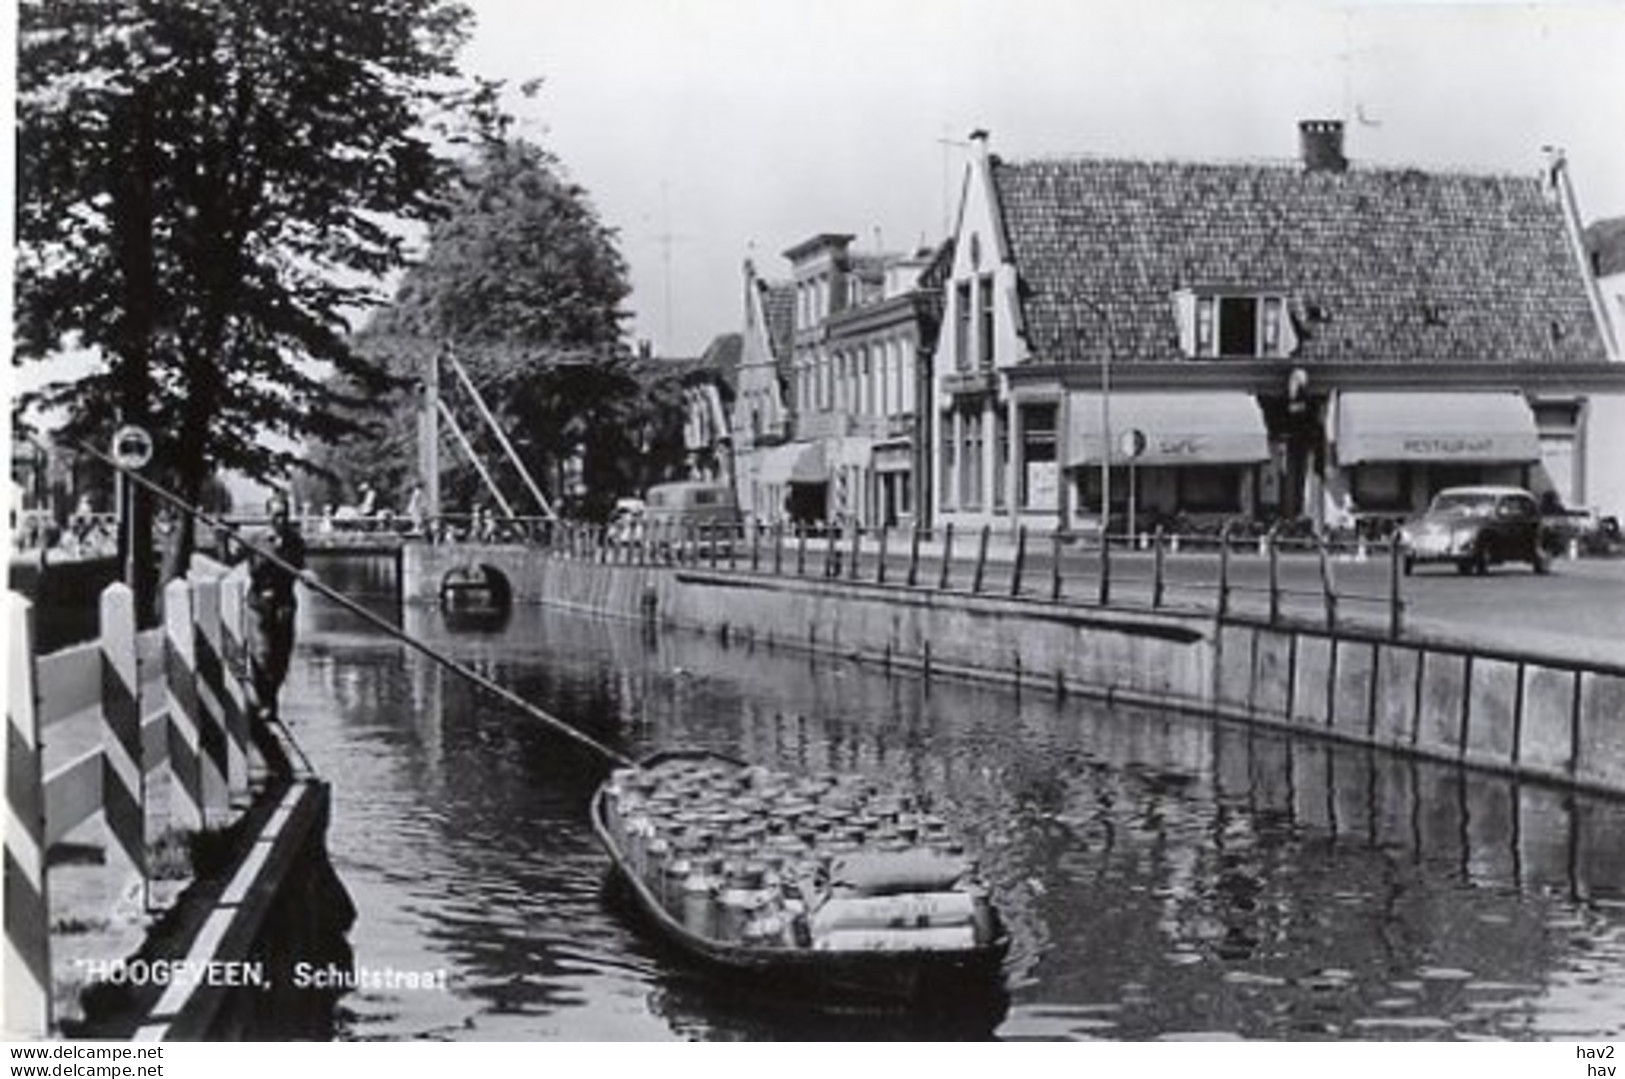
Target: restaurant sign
column 1434, row 447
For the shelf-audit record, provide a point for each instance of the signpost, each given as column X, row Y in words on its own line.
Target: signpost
column 1132, row 445
column 132, row 449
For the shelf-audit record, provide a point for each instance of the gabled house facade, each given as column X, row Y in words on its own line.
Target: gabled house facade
column 708, row 397
column 831, row 420
column 1263, row 342
column 762, row 416
column 1605, row 248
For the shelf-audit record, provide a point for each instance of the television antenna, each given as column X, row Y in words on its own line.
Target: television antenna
column 666, row 238
column 947, row 145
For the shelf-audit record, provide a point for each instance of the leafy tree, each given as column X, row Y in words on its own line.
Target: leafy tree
column 206, row 189
column 525, row 283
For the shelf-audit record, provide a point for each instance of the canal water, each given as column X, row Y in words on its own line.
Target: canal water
column 1162, row 875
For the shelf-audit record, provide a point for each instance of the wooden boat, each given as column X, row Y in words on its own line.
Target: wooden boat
column 877, row 929
column 475, row 594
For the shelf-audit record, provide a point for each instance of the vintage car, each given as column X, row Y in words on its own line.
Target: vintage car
column 1475, row 528
column 1583, row 531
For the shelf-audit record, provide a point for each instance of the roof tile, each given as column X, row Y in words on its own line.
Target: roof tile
column 1378, row 265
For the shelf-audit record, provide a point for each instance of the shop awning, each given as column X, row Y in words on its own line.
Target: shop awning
column 894, row 458
column 797, row 462
column 812, row 466
column 1178, row 428
column 773, row 464
column 1469, row 427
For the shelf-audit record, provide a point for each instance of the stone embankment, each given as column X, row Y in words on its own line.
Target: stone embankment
column 1539, row 717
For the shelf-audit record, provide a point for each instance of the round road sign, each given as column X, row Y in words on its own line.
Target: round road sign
column 1132, row 443
column 132, row 446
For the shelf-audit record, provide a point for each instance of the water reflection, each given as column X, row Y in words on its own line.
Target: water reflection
column 1161, row 875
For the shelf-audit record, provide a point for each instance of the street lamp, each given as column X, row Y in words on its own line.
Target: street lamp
column 1105, row 448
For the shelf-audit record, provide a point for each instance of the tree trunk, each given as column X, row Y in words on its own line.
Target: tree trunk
column 134, row 365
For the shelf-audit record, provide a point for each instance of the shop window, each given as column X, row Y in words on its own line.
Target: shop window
column 1089, row 488
column 1210, row 489
column 1037, row 468
column 1379, row 488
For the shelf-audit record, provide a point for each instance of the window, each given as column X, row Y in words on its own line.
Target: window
column 984, row 307
column 948, row 433
column 1238, row 326
column 1214, row 325
column 962, row 326
column 1037, row 475
column 1210, row 489
column 1379, row 487
column 905, row 378
column 1272, row 326
column 1001, row 457
column 970, row 463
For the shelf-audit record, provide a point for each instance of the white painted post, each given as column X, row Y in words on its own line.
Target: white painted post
column 124, row 788
column 181, row 704
column 208, row 652
column 27, row 951
column 234, row 647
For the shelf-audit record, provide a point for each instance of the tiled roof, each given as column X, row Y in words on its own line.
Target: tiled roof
column 1378, row 265
column 721, row 358
column 779, row 305
column 1605, row 240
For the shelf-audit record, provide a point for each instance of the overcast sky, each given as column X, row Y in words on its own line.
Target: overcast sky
column 712, row 130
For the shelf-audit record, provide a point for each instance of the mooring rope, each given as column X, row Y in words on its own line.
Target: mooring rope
column 377, row 621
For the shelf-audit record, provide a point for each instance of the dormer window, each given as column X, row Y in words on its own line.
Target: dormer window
column 1233, row 325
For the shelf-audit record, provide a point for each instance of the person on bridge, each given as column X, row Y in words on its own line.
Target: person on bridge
column 272, row 605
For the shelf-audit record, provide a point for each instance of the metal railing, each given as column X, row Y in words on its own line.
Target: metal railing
column 1127, row 571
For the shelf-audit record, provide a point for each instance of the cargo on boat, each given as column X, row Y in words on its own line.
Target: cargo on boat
column 828, row 889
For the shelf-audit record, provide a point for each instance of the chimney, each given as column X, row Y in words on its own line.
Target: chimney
column 1321, row 143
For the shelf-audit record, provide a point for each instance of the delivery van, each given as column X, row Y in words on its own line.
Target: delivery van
column 703, row 506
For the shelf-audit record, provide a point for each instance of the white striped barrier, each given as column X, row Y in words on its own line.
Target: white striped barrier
column 181, row 700
column 234, row 654
column 27, row 950
column 209, row 666
column 199, row 729
column 123, row 792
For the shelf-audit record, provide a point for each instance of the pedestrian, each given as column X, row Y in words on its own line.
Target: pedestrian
column 485, row 525
column 272, row 605
column 414, row 511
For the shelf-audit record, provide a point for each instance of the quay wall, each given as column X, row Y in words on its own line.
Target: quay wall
column 1544, row 718
column 267, row 900
column 1151, row 658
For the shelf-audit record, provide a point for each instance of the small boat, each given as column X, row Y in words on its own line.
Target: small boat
column 826, row 891
column 475, row 594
